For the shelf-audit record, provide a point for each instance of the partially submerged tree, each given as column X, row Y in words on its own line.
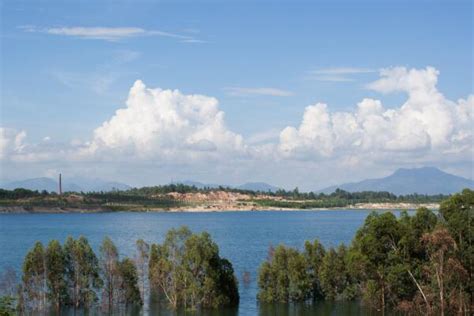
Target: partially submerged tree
column 109, row 264
column 82, row 272
column 187, row 271
column 55, row 262
column 34, row 286
column 285, row 277
column 129, row 291
column 141, row 261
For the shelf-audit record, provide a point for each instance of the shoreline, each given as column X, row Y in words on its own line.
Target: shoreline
column 214, row 208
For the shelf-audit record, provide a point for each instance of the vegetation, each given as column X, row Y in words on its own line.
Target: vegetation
column 158, row 197
column 419, row 264
column 187, row 271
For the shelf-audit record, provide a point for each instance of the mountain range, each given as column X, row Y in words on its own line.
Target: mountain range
column 74, row 184
column 252, row 186
column 426, row 180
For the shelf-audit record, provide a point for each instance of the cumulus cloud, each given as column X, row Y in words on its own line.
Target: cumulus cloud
column 427, row 124
column 159, row 128
column 165, row 124
column 11, row 142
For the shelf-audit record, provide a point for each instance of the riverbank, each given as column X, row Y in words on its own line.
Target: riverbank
column 209, row 208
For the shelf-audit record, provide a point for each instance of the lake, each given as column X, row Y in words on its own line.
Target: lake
column 243, row 238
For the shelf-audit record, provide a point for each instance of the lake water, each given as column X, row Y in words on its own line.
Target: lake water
column 243, row 238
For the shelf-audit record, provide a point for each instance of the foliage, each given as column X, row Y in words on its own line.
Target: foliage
column 187, row 271
column 55, row 262
column 284, row 277
column 157, row 197
column 420, row 264
column 82, row 272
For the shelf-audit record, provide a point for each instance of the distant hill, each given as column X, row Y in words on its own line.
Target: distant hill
column 252, row 186
column 258, row 186
column 425, row 180
column 199, row 185
column 40, row 184
column 51, row 185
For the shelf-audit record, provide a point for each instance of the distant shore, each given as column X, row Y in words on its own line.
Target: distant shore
column 205, row 209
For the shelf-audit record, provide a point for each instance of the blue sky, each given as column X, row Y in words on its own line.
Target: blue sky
column 265, row 61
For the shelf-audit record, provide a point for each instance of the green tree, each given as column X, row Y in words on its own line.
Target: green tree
column 56, row 273
column 7, row 306
column 375, row 244
column 187, row 271
column 82, row 271
column 314, row 254
column 34, row 288
column 333, row 275
column 284, row 277
column 130, row 293
column 109, row 263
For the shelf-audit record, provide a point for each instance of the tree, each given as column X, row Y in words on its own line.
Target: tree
column 34, row 289
column 141, row 261
column 82, row 272
column 130, row 293
column 109, row 263
column 375, row 245
column 314, row 254
column 285, row 278
column 7, row 306
column 333, row 275
column 187, row 271
column 458, row 214
column 56, row 273
column 445, row 269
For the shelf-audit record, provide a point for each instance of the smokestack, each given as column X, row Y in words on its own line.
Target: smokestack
column 60, row 185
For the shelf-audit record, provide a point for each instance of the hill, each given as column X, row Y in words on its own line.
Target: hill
column 258, row 186
column 426, row 180
column 75, row 185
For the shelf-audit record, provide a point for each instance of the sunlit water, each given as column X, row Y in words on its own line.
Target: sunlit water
column 243, row 238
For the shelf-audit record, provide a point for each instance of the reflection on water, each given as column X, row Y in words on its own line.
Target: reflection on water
column 243, row 238
column 323, row 308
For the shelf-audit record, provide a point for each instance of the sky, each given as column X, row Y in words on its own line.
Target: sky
column 293, row 93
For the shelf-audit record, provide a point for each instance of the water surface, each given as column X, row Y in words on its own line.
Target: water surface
column 243, row 238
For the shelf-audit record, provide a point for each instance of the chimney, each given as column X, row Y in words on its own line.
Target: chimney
column 60, row 185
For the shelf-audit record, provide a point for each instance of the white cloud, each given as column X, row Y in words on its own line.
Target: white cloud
column 342, row 71
column 106, row 33
column 240, row 91
column 338, row 74
column 165, row 132
column 11, row 142
column 426, row 125
column 167, row 125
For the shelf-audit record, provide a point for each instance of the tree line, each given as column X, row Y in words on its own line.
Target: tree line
column 420, row 264
column 185, row 271
column 156, row 197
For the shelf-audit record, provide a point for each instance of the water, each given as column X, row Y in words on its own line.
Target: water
column 243, row 238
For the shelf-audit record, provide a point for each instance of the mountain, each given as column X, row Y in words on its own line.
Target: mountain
column 74, row 184
column 426, row 180
column 40, row 184
column 198, row 185
column 252, row 186
column 258, row 186
column 96, row 184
